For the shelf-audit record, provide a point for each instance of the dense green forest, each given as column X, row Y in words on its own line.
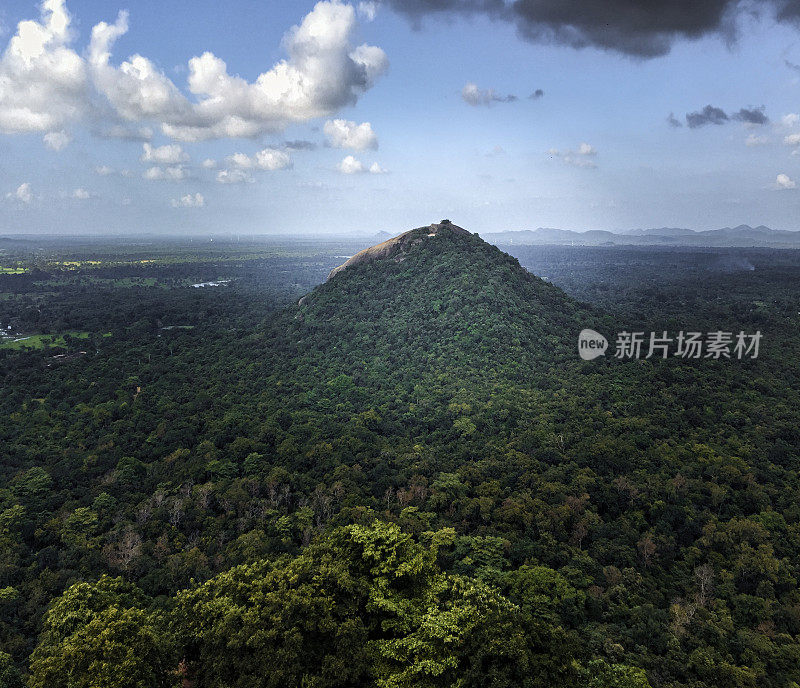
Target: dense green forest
column 409, row 478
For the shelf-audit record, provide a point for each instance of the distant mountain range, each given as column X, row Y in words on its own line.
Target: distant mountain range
column 743, row 235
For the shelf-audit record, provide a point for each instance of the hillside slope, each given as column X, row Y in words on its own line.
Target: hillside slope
column 436, row 299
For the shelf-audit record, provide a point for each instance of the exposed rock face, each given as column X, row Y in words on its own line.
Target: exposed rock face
column 396, row 247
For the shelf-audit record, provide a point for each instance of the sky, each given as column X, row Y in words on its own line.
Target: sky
column 293, row 117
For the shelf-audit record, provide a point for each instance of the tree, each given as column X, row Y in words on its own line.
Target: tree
column 10, row 676
column 99, row 636
column 364, row 605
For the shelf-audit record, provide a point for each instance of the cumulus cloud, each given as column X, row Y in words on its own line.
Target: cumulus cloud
column 209, row 164
column 171, row 154
column 189, row 201
column 104, row 170
column 45, row 84
column 538, row 93
column 81, row 194
column 793, row 141
column 345, row 134
column 784, row 182
column 268, row 159
column 351, row 165
column 472, row 95
column 173, row 173
column 753, row 140
column 583, row 157
column 23, row 193
column 367, row 10
column 323, row 73
column 642, row 29
column 791, row 120
column 234, row 176
column 57, row 140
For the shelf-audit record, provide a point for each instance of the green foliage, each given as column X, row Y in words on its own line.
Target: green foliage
column 98, row 636
column 364, row 605
column 10, row 677
column 607, row 518
column 600, row 674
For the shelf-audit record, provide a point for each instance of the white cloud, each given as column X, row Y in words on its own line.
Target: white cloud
column 583, row 157
column 342, row 133
column 322, row 74
column 790, row 120
column 45, row 84
column 171, row 154
column 173, row 173
column 81, row 194
column 351, row 165
column 104, row 170
column 209, row 164
column 57, row 140
column 23, row 193
column 267, row 159
column 784, row 181
column 754, row 140
column 472, row 95
column 234, row 176
column 367, row 10
column 189, row 201
column 792, row 140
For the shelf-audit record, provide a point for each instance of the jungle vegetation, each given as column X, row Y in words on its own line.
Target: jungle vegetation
column 409, row 479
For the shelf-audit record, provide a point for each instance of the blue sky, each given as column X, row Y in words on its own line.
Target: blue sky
column 339, row 138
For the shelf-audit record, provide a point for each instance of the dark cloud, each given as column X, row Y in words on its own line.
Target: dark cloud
column 538, row 93
column 788, row 10
column 300, row 145
column 419, row 8
column 708, row 115
column 714, row 115
column 640, row 28
column 751, row 116
column 792, row 65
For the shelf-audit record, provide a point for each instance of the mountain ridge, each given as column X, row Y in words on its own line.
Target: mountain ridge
column 741, row 236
